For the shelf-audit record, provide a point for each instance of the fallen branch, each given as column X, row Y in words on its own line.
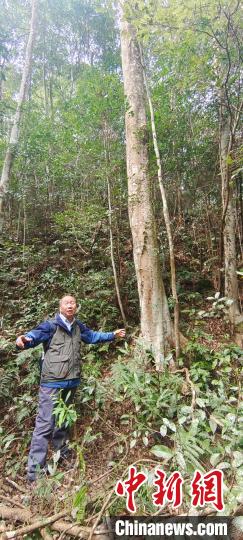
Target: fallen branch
column 11, row 501
column 36, row 525
column 71, row 530
column 54, row 521
column 101, row 513
column 68, row 528
column 45, row 534
column 15, row 514
column 77, row 530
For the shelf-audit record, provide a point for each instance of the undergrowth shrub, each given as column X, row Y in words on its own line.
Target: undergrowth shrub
column 190, row 433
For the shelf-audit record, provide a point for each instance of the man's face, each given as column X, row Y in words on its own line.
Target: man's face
column 68, row 307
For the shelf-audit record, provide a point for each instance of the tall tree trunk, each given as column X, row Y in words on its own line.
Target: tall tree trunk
column 14, row 135
column 166, row 216
column 229, row 215
column 156, row 327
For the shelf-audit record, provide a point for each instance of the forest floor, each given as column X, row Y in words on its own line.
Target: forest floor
column 127, row 414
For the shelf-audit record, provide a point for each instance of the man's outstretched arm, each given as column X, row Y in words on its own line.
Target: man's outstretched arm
column 90, row 336
column 43, row 332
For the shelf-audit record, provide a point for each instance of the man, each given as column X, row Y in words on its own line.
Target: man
column 62, row 339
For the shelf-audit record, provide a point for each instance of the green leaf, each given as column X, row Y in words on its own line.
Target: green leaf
column 133, row 442
column 182, row 419
column 79, row 502
column 59, row 476
column 162, row 451
column 186, row 409
column 169, row 424
column 231, row 418
column 9, row 442
column 180, row 460
column 213, row 424
column 223, row 465
column 56, row 456
column 214, row 459
column 163, row 430
column 237, row 459
column 61, row 418
column 200, row 402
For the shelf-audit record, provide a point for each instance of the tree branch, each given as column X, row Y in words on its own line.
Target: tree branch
column 36, row 525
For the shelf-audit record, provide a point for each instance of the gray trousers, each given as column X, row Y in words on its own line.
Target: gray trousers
column 45, row 430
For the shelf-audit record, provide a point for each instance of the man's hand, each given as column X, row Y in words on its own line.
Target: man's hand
column 120, row 333
column 20, row 342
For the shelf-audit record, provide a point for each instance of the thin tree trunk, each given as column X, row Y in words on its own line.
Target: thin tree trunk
column 209, row 227
column 24, row 230
column 45, row 83
column 51, row 94
column 1, row 92
column 112, row 255
column 107, row 155
column 241, row 201
column 228, row 229
column 14, row 135
column 71, row 82
column 18, row 226
column 166, row 216
column 156, row 327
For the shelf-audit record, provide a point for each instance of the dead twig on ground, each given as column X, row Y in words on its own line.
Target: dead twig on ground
column 100, row 514
column 11, row 501
column 16, row 486
column 68, row 528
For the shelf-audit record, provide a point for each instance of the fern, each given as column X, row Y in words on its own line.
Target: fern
column 188, row 450
column 7, row 380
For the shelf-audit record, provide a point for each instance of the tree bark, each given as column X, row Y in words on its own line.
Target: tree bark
column 14, row 135
column 156, row 327
column 229, row 215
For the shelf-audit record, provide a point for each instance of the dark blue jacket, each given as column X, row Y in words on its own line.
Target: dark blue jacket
column 44, row 332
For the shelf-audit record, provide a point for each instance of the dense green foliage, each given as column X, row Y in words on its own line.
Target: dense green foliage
column 57, row 240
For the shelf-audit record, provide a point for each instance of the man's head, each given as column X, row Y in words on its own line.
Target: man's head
column 68, row 306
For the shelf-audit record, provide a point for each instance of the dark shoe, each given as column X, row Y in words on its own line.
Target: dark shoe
column 33, row 477
column 66, row 454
